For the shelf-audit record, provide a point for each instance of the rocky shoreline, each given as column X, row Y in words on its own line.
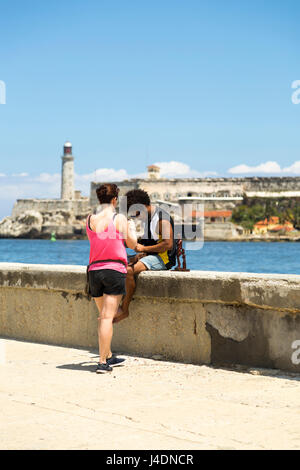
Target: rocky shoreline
column 257, row 239
column 65, row 225
column 36, row 225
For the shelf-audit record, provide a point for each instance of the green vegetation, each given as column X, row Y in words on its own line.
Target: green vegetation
column 253, row 210
column 248, row 216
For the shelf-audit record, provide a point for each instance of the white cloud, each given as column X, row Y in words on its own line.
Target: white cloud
column 2, row 174
column 175, row 169
column 22, row 175
column 103, row 174
column 269, row 167
column 82, row 182
column 293, row 169
column 48, row 178
column 170, row 169
column 10, row 191
column 19, row 186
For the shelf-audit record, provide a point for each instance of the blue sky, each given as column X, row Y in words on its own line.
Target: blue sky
column 206, row 85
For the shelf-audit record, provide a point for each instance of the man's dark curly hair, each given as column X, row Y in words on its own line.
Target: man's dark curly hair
column 137, row 196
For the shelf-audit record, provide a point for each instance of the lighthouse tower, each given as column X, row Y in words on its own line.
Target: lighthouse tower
column 67, row 173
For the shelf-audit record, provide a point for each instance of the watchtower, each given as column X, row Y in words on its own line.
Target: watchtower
column 67, row 173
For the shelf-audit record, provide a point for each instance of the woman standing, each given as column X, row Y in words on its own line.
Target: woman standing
column 107, row 232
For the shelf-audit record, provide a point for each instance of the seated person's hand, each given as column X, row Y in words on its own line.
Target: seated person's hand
column 134, row 259
column 139, row 248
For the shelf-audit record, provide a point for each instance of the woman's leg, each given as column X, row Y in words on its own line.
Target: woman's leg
column 99, row 303
column 105, row 331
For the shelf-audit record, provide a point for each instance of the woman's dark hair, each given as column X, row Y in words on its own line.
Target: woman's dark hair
column 106, row 192
column 137, row 196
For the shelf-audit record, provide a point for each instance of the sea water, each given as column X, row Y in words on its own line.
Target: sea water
column 251, row 257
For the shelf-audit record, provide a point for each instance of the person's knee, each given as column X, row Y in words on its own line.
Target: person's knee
column 106, row 315
column 138, row 268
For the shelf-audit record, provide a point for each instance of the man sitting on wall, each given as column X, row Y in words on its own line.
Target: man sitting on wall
column 156, row 250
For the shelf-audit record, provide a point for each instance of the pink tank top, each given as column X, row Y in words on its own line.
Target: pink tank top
column 107, row 245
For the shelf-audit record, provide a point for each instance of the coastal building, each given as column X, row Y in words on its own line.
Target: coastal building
column 153, row 172
column 212, row 216
column 217, row 216
column 272, row 225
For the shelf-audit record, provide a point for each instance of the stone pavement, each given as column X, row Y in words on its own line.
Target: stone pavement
column 50, row 398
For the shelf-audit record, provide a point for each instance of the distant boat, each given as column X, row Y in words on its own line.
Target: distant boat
column 53, row 238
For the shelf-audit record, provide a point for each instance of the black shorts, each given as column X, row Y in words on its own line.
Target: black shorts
column 106, row 281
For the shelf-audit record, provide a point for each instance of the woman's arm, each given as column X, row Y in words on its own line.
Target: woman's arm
column 128, row 230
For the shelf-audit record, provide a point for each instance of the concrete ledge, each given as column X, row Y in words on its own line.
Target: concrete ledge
column 198, row 317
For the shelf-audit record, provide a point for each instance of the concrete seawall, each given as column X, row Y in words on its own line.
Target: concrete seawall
column 197, row 317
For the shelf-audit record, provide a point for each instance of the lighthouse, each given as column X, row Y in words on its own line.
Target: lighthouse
column 67, row 173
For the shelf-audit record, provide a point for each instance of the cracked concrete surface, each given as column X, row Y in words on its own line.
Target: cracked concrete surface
column 51, row 398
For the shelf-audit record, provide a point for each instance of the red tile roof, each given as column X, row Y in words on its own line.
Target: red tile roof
column 271, row 220
column 217, row 213
column 153, row 167
column 212, row 214
column 287, row 226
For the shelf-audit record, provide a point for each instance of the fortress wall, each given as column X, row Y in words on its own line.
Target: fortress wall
column 210, row 186
column 77, row 206
column 195, row 317
column 275, row 184
column 172, row 189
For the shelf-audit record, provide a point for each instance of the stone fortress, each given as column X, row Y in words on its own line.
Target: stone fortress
column 214, row 192
column 66, row 216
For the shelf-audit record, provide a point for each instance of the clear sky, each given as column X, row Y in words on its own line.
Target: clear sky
column 203, row 87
